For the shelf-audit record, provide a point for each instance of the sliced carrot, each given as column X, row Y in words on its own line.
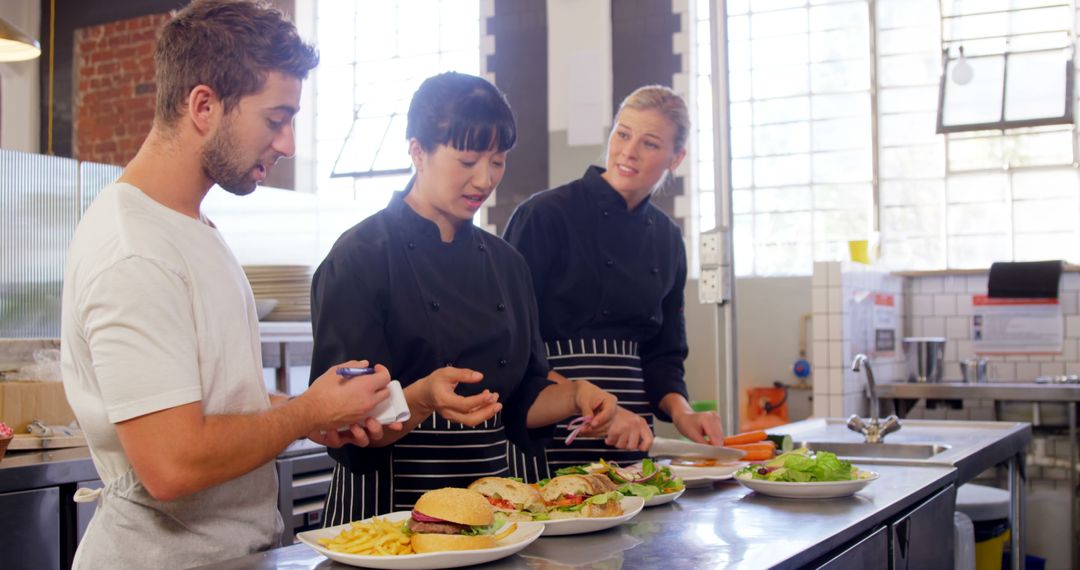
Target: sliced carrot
column 759, row 451
column 745, row 437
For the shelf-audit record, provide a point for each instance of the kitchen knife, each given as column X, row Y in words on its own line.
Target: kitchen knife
column 665, row 447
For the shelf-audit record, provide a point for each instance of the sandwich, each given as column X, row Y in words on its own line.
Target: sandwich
column 582, row 496
column 452, row 519
column 512, row 498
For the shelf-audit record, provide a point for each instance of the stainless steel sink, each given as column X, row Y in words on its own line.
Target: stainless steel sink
column 850, row 450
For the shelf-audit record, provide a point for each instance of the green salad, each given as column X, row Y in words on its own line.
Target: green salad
column 645, row 480
column 801, row 466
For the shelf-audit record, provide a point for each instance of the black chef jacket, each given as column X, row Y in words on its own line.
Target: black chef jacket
column 392, row 292
column 602, row 271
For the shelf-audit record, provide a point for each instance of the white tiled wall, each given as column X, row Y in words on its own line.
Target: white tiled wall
column 941, row 306
column 838, row 391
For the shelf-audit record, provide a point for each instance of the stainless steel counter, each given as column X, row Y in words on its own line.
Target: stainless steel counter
column 715, row 527
column 23, row 470
column 1010, row 392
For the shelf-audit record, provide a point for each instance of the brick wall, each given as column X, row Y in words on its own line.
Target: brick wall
column 114, row 88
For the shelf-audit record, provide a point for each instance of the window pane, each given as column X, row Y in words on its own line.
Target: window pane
column 976, row 154
column 779, row 23
column 782, row 170
column 911, row 192
column 1034, row 149
column 785, row 199
column 1035, row 216
column 1038, row 247
column 842, row 226
column 1028, row 184
column 913, row 162
column 782, row 139
column 978, row 101
column 843, row 166
column 842, row 134
column 978, row 252
column 903, row 129
column 978, row 219
column 785, row 110
column 842, row 105
column 978, row 187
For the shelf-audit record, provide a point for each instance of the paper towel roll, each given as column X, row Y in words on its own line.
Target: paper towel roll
column 1025, row 279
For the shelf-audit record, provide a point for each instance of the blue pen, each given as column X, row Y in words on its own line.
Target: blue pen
column 346, row 372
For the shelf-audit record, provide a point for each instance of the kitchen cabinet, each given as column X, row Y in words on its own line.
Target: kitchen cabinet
column 920, row 537
column 923, row 538
column 30, row 529
column 870, row 552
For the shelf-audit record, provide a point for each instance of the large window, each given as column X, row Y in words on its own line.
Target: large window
column 374, row 56
column 829, row 111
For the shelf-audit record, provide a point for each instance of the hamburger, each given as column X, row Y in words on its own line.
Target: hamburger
column 451, row 519
column 516, row 500
column 582, row 496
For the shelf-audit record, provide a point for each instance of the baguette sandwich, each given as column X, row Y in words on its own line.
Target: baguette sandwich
column 582, row 496
column 516, row 500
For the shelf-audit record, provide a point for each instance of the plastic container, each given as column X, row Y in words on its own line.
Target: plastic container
column 988, row 508
column 964, row 542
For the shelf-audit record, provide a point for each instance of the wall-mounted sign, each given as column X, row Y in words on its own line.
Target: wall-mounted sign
column 1016, row 326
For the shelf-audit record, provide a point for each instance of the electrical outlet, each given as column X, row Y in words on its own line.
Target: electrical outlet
column 710, row 250
column 710, row 290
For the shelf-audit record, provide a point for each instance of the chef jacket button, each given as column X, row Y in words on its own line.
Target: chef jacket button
column 606, row 213
column 652, row 319
column 609, row 263
column 503, row 362
column 654, row 270
column 500, row 307
column 434, row 305
column 412, row 245
column 606, row 313
column 482, row 247
column 648, row 221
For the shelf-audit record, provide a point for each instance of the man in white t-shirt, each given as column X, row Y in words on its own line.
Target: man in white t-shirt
column 161, row 349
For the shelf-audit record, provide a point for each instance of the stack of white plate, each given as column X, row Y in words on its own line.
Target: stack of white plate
column 290, row 285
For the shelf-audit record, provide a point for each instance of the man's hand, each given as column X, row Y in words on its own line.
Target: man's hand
column 336, row 402
column 361, row 434
column 436, row 392
column 629, row 431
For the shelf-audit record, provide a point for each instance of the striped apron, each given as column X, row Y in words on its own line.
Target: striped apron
column 614, row 366
column 438, row 453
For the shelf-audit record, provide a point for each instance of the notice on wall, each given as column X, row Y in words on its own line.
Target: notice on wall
column 873, row 323
column 1016, row 326
column 884, row 325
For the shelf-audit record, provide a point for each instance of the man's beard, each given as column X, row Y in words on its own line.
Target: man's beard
column 220, row 163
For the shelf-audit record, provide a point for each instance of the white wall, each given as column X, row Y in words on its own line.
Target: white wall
column 19, row 99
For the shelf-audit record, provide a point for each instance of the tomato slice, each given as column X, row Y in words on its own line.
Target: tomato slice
column 501, row 503
column 567, row 501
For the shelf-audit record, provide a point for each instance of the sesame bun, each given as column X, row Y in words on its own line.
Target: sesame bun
column 422, row 543
column 460, row 506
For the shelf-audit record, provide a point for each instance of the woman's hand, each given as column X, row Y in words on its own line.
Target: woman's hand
column 702, row 427
column 629, row 431
column 436, row 392
column 592, row 401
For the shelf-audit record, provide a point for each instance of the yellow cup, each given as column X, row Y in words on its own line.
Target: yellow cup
column 860, row 251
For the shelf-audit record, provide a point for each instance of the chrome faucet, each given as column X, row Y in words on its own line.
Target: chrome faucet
column 874, row 431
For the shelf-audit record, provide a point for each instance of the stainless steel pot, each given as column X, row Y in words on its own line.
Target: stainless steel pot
column 925, row 357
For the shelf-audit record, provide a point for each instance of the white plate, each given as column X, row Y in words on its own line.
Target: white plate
column 630, row 505
column 525, row 533
column 664, row 498
column 814, row 490
column 694, row 477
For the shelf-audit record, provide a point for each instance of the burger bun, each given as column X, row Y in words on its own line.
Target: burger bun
column 422, row 543
column 460, row 506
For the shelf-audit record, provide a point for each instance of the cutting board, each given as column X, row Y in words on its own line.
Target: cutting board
column 24, row 442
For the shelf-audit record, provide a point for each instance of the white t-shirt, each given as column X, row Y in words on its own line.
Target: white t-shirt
column 157, row 313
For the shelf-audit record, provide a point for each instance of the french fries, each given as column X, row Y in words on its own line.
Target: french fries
column 379, row 537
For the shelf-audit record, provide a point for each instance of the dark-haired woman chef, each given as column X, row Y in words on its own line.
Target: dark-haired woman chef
column 449, row 309
column 609, row 269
